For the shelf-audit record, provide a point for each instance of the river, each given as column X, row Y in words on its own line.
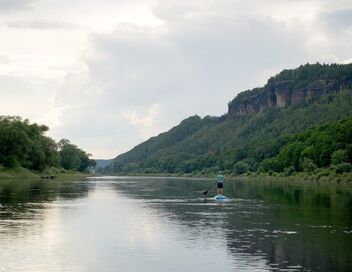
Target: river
column 167, row 224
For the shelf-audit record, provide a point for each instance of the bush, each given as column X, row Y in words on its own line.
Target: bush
column 271, row 165
column 343, row 167
column 339, row 156
column 308, row 165
column 288, row 171
column 324, row 172
column 240, row 168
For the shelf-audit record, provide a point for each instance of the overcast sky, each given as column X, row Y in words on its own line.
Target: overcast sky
column 109, row 74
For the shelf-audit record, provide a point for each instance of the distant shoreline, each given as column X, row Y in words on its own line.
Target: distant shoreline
column 23, row 173
column 64, row 174
column 332, row 177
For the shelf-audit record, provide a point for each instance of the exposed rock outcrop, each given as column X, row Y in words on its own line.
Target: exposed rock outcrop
column 283, row 93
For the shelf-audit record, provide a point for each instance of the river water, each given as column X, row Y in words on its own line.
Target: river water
column 167, row 224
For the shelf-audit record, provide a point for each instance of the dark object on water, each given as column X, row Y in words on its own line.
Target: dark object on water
column 206, row 192
column 47, row 177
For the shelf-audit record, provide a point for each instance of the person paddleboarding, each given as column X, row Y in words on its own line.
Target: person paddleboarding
column 220, row 183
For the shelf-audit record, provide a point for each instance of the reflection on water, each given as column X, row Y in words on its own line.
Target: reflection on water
column 159, row 224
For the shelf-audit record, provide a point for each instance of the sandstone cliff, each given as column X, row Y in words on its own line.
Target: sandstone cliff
column 290, row 88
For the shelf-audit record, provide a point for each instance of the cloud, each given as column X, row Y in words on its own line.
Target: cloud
column 28, row 99
column 42, row 24
column 147, row 123
column 150, row 79
column 4, row 59
column 337, row 20
column 12, row 5
column 146, row 119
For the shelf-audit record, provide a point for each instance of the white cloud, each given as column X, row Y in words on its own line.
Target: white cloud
column 12, row 5
column 4, row 59
column 42, row 24
column 28, row 99
column 337, row 20
column 146, row 123
column 145, row 119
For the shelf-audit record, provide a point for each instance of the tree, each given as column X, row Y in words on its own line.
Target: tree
column 339, row 156
column 240, row 168
column 73, row 158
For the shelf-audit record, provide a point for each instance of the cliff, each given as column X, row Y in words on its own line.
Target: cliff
column 292, row 87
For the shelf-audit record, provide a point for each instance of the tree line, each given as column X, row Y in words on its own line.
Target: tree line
column 327, row 146
column 24, row 144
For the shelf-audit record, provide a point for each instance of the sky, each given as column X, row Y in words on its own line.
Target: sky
column 109, row 74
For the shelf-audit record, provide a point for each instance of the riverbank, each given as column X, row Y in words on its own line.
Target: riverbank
column 320, row 176
column 317, row 177
column 51, row 173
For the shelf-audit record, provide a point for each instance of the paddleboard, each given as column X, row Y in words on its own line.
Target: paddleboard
column 219, row 197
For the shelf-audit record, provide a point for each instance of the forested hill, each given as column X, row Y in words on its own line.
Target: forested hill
column 257, row 127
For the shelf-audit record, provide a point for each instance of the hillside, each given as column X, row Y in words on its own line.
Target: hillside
column 254, row 129
column 322, row 146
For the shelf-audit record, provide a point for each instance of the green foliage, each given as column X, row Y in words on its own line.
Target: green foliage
column 308, row 73
column 272, row 165
column 307, row 165
column 282, row 140
column 288, row 171
column 240, row 168
column 265, row 141
column 73, row 158
column 343, row 167
column 24, row 145
column 316, row 147
column 339, row 156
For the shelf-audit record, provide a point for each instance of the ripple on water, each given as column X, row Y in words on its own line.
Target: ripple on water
column 285, row 231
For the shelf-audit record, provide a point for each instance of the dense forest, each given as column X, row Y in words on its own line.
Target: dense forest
column 312, row 131
column 24, row 144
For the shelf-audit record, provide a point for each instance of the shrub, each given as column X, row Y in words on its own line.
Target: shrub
column 271, row 165
column 339, row 156
column 343, row 167
column 240, row 168
column 288, row 171
column 324, row 172
column 308, row 165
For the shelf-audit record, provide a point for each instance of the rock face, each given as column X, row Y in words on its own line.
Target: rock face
column 283, row 93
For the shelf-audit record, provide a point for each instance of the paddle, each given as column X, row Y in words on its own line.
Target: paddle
column 206, row 192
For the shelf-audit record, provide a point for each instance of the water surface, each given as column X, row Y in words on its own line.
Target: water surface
column 166, row 224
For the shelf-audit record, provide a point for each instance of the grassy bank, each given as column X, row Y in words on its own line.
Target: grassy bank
column 57, row 173
column 321, row 175
column 324, row 176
